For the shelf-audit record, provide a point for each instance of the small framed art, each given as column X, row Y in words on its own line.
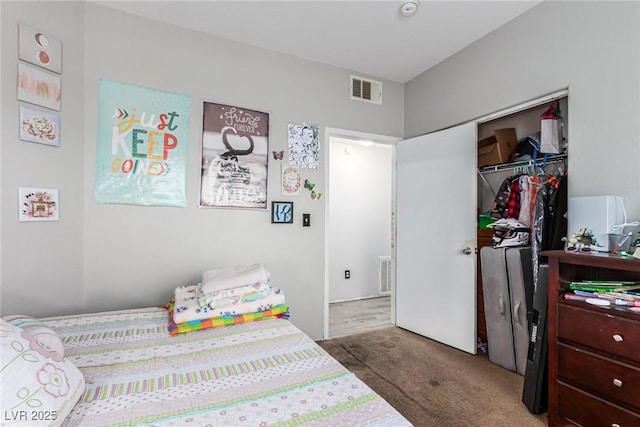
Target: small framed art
column 282, row 212
column 38, row 204
column 39, row 87
column 39, row 127
column 39, row 48
column 291, row 180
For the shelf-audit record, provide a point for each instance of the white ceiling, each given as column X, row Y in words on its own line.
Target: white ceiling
column 368, row 37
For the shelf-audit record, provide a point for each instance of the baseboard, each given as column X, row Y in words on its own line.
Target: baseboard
column 360, row 298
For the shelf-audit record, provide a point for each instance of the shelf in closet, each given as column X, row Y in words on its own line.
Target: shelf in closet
column 553, row 158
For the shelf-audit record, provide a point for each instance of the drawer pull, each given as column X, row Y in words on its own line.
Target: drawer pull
column 618, row 338
column 617, row 382
column 615, row 425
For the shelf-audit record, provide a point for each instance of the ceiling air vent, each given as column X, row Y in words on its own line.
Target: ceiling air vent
column 366, row 90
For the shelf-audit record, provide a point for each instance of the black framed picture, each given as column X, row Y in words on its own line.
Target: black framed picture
column 282, row 212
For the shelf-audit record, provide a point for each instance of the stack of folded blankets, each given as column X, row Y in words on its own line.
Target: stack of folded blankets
column 225, row 297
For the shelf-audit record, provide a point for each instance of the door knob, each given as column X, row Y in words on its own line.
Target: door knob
column 467, row 251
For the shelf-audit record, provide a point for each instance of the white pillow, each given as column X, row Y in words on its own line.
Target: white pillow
column 46, row 337
column 36, row 388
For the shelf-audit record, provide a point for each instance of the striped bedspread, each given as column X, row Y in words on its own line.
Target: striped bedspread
column 252, row 374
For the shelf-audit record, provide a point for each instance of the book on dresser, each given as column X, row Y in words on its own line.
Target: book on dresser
column 605, row 285
column 594, row 350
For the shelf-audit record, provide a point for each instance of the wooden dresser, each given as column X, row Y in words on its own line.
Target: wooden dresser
column 594, row 352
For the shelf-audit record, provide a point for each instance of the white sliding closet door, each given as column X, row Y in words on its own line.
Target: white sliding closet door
column 436, row 221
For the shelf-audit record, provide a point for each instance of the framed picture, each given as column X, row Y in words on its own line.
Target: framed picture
column 291, row 180
column 39, row 48
column 282, row 212
column 38, row 204
column 304, row 148
column 235, row 156
column 39, row 127
column 39, row 87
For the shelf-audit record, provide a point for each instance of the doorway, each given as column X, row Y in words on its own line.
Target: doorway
column 359, row 231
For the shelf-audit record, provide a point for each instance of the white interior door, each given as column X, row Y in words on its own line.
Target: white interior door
column 436, row 220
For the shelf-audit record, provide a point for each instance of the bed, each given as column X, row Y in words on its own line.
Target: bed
column 134, row 372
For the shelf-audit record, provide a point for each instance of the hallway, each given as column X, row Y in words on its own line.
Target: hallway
column 354, row 317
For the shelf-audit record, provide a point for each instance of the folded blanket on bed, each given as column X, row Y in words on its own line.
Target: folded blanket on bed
column 232, row 277
column 233, row 296
column 279, row 311
column 188, row 307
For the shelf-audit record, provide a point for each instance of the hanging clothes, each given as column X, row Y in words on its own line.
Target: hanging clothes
column 549, row 220
column 540, row 202
column 513, row 205
column 534, row 181
column 500, row 203
column 558, row 212
column 525, row 200
column 537, row 227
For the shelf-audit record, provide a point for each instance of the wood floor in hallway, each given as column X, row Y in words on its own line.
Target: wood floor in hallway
column 355, row 317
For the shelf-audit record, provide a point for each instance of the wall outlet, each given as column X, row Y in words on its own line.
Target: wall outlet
column 347, row 274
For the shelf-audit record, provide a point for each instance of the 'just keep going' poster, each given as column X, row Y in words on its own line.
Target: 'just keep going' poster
column 142, row 147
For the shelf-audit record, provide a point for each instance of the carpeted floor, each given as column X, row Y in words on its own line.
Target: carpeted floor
column 432, row 384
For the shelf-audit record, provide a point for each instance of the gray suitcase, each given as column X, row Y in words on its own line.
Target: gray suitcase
column 507, row 281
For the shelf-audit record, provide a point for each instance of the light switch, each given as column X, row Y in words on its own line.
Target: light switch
column 306, row 220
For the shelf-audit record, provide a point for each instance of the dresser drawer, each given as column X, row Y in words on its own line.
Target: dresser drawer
column 599, row 329
column 602, row 376
column 587, row 410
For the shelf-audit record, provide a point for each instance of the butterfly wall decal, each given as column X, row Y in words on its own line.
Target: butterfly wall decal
column 315, row 195
column 278, row 155
column 308, row 184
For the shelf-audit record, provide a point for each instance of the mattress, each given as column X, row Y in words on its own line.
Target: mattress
column 260, row 373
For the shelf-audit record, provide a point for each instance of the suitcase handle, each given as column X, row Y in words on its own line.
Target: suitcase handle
column 516, row 313
column 501, row 304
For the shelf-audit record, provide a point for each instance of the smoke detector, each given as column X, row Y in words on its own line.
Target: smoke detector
column 409, row 7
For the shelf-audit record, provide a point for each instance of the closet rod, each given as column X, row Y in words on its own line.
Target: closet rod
column 537, row 163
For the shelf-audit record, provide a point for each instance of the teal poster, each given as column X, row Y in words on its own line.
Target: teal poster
column 142, row 148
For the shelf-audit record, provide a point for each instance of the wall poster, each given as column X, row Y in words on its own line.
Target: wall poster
column 304, row 148
column 235, row 147
column 143, row 137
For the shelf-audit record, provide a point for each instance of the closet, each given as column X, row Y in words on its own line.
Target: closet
column 526, row 121
column 439, row 191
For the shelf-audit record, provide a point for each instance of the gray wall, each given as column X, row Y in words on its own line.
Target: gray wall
column 119, row 256
column 591, row 48
column 42, row 262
